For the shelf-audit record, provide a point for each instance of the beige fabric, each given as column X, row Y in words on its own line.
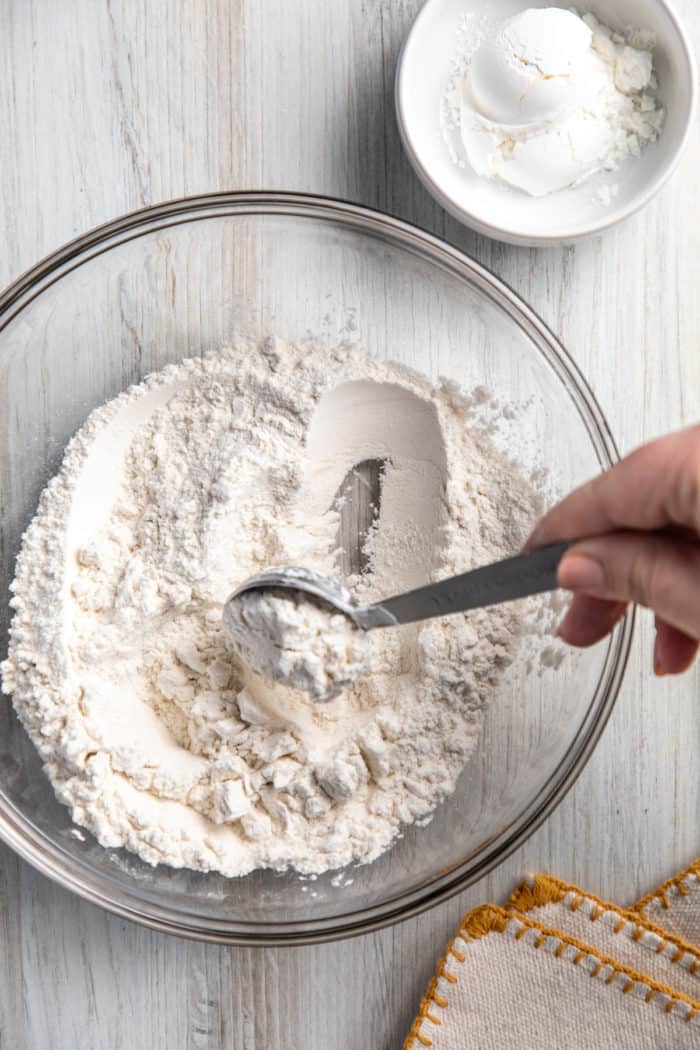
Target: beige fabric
column 507, row 982
column 676, row 905
column 625, row 935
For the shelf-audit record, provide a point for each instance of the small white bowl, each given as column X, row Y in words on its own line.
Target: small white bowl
column 507, row 214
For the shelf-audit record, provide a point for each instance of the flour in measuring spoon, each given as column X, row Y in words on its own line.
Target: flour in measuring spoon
column 153, row 731
column 289, row 638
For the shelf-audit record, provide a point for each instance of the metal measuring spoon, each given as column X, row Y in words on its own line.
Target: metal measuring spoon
column 533, row 572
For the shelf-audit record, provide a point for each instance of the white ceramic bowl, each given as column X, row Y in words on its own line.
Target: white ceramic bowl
column 497, row 210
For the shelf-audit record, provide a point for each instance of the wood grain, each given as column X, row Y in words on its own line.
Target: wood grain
column 107, row 105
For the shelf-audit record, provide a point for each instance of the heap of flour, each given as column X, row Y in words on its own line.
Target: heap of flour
column 288, row 637
column 152, row 730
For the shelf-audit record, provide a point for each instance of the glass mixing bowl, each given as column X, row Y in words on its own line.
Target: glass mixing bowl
column 175, row 280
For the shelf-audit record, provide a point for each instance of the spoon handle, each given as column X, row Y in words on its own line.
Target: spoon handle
column 530, row 573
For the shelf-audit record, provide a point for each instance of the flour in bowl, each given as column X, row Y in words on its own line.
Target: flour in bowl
column 152, row 730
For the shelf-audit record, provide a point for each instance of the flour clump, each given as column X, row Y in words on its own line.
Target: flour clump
column 288, row 637
column 152, row 730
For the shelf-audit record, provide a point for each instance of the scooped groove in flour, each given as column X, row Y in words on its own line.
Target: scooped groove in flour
column 152, row 731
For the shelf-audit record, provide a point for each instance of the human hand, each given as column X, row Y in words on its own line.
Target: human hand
column 643, row 520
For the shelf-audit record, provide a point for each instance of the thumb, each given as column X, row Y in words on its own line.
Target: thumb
column 658, row 571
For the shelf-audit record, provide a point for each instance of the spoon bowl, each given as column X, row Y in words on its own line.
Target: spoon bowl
column 532, row 572
column 326, row 588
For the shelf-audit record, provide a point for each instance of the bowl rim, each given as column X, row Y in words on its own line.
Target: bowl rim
column 48, row 857
column 566, row 235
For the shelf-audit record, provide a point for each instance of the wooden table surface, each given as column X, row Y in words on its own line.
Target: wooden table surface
column 108, row 105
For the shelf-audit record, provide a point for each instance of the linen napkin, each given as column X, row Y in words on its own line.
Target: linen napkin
column 557, row 967
column 506, row 980
column 676, row 904
column 625, row 935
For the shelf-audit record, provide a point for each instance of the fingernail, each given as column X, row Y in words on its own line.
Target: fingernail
column 579, row 572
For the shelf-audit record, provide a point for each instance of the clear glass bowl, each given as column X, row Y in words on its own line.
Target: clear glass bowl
column 181, row 278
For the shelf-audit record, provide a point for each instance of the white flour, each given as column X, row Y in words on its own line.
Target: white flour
column 601, row 115
column 151, row 731
column 289, row 638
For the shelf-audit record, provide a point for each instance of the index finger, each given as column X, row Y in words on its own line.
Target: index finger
column 656, row 486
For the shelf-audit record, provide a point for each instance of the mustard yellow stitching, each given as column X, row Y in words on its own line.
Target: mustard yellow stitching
column 629, row 986
column 431, row 996
column 479, row 922
column 560, row 950
column 536, row 893
column 413, row 1033
column 693, row 869
column 540, row 941
column 540, row 890
column 485, row 919
column 650, row 995
column 433, row 1018
column 544, row 889
column 596, row 969
column 631, row 976
column 457, row 954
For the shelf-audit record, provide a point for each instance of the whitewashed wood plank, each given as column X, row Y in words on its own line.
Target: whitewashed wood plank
column 12, row 1018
